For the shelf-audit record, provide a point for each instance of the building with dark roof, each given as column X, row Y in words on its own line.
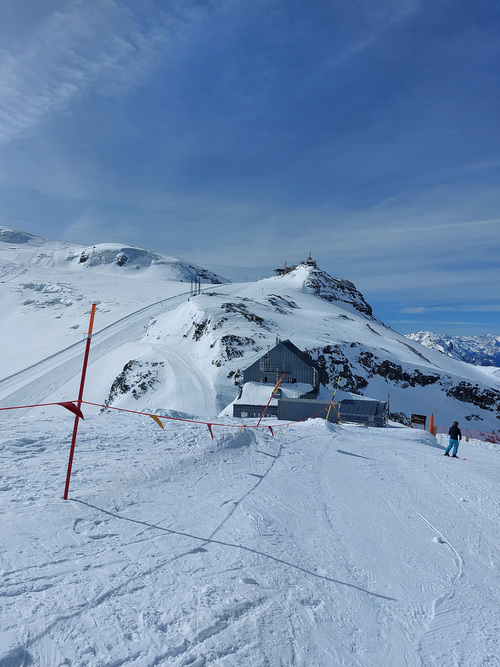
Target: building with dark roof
column 286, row 358
column 296, row 399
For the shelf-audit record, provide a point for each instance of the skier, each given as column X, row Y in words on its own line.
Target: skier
column 455, row 435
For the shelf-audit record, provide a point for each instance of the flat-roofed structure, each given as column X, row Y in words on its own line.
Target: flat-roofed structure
column 360, row 411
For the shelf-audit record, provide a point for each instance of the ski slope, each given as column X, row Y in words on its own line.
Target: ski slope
column 43, row 379
column 321, row 546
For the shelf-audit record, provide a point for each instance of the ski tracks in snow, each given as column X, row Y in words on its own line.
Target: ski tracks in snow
column 461, row 597
column 315, row 548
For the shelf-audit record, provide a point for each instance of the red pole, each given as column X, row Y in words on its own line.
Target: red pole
column 79, row 402
column 271, row 397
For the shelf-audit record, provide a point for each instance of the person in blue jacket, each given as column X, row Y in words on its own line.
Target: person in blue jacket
column 455, row 436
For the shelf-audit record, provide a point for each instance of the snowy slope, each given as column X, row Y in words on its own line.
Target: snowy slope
column 323, row 546
column 156, row 346
column 47, row 290
column 479, row 350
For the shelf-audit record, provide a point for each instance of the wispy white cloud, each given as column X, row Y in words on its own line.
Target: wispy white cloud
column 413, row 311
column 96, row 44
column 382, row 16
column 480, row 308
column 447, row 227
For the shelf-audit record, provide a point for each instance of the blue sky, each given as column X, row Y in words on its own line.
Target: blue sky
column 242, row 134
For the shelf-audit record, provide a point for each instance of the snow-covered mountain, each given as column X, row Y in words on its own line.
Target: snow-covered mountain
column 160, row 345
column 305, row 545
column 478, row 350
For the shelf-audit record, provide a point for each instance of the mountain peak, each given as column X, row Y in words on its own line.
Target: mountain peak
column 330, row 289
column 321, row 284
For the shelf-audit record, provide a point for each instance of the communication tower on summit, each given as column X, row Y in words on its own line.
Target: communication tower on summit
column 287, row 269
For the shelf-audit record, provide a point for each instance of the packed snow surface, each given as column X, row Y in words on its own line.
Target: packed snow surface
column 321, row 546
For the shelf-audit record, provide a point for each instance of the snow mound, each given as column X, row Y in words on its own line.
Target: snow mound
column 14, row 237
column 225, row 438
column 129, row 258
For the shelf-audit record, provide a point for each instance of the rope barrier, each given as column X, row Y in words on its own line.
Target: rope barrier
column 72, row 406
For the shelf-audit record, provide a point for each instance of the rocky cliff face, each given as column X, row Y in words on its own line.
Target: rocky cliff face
column 335, row 289
column 357, row 367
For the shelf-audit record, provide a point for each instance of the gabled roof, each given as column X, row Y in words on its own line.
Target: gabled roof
column 298, row 353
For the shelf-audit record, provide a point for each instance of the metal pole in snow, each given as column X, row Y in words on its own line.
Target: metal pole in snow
column 333, row 397
column 79, row 402
column 388, row 411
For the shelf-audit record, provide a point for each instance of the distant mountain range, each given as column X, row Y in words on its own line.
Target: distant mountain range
column 170, row 335
column 477, row 350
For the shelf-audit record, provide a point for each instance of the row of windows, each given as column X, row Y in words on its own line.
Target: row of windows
column 270, row 379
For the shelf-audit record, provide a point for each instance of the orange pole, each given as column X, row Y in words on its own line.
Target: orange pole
column 271, row 397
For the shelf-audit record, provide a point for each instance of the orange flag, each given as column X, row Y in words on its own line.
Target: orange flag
column 158, row 421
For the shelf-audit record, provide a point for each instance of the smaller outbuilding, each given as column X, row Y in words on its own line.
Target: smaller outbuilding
column 362, row 410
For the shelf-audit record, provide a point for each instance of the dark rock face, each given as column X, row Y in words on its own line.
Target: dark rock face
column 121, row 259
column 206, row 276
column 357, row 370
column 281, row 304
column 233, row 347
column 336, row 289
column 199, row 329
column 137, row 378
column 242, row 309
column 487, row 399
column 394, row 373
column 332, row 362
